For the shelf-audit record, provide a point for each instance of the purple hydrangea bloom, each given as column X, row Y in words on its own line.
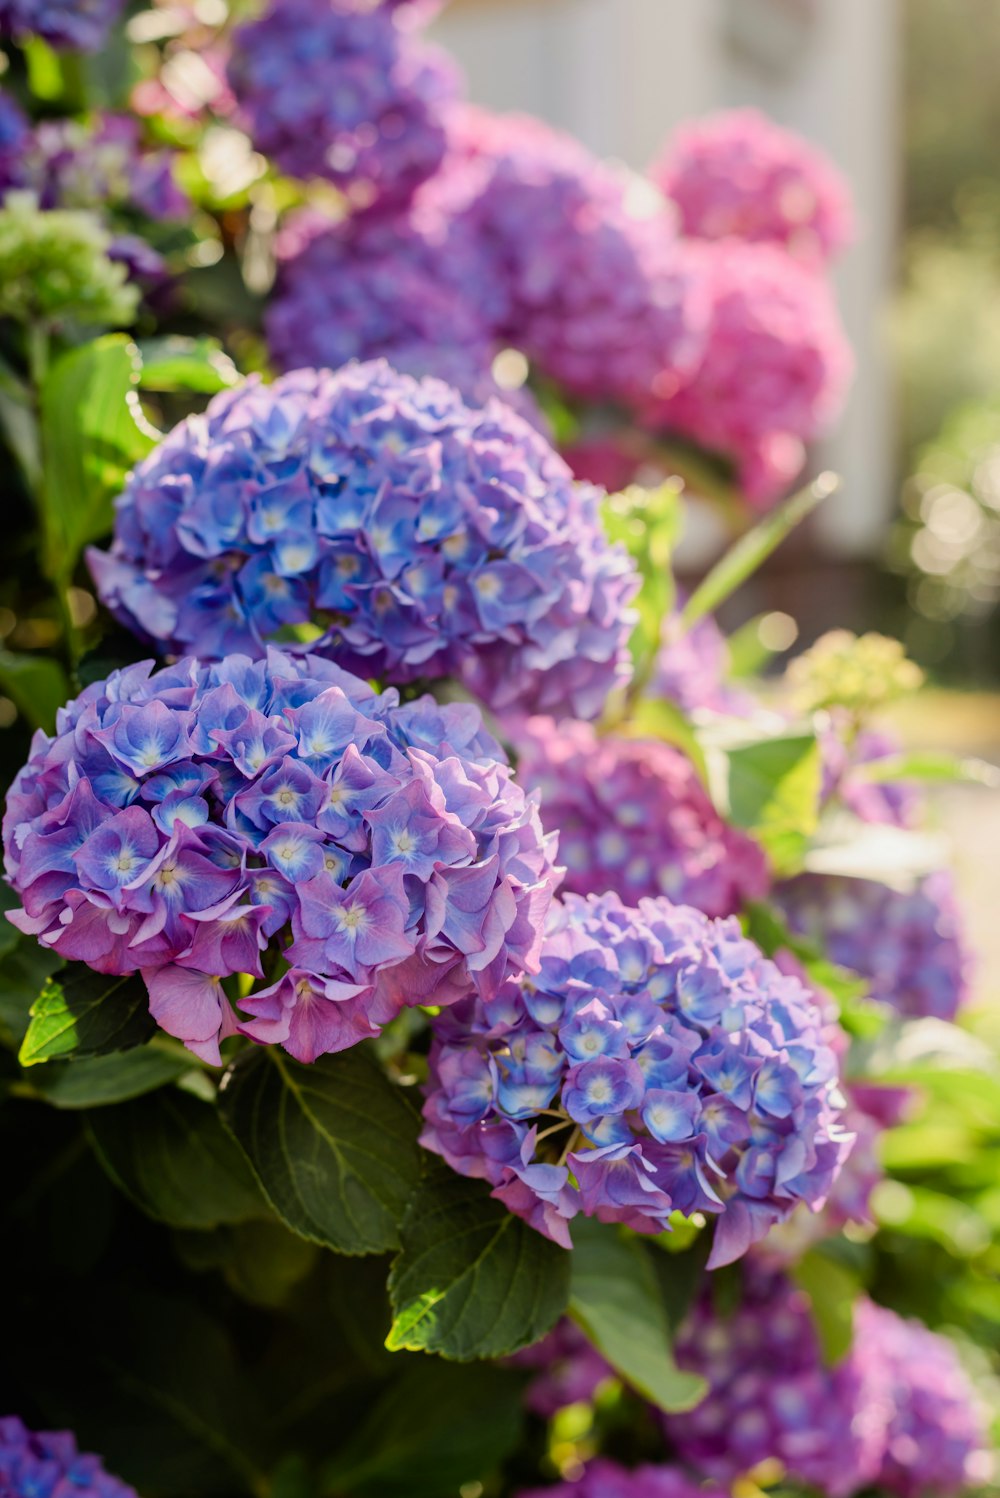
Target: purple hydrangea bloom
column 632, row 815
column 774, row 369
column 606, row 1479
column 47, row 1464
column 76, row 25
column 15, row 132
column 179, row 822
column 595, row 289
column 327, row 88
column 426, row 539
column 69, row 164
column 656, row 1063
column 739, row 175
column 772, row 1397
column 936, row 1443
column 909, row 943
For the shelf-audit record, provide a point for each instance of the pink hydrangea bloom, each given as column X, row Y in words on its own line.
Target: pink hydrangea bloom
column 774, row 371
column 739, row 175
column 633, row 816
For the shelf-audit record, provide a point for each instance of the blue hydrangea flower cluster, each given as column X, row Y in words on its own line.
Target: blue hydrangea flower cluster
column 656, row 1063
column 67, row 25
column 328, row 88
column 47, row 1464
column 897, row 1413
column 909, row 943
column 633, row 816
column 185, row 823
column 606, row 1479
column 423, row 537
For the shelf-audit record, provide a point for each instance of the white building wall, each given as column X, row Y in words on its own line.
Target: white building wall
column 620, row 73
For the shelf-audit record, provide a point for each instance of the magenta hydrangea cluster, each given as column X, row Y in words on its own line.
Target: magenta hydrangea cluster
column 67, row 25
column 656, row 1063
column 633, row 816
column 333, row 89
column 184, row 823
column 897, row 1412
column 772, row 1397
column 606, row 1479
column 936, row 1442
column 591, row 284
column 739, row 175
column 908, row 942
column 890, row 803
column 47, row 1464
column 774, row 370
column 692, row 666
column 418, row 536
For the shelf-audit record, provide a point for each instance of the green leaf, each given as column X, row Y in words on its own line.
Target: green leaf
column 334, row 1145
column 83, row 1013
column 199, row 365
column 832, row 1289
column 37, row 686
column 753, row 548
column 647, row 522
column 615, row 1298
column 170, row 1154
column 772, row 788
column 102, row 1080
column 926, row 765
column 472, row 1280
column 24, row 969
column 93, row 432
column 435, row 1429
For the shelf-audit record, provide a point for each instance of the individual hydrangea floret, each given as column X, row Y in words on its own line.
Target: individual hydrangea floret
column 327, row 88
column 575, row 264
column 633, row 816
column 908, row 942
column 421, row 537
column 47, row 1464
column 656, row 1063
column 773, row 1398
column 67, row 25
column 936, row 1445
column 774, row 372
column 606, row 1479
column 203, row 821
column 739, row 175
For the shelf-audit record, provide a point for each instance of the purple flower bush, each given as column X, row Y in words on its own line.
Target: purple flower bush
column 184, row 822
column 738, row 175
column 633, row 816
column 47, row 1464
column 774, row 370
column 682, row 1070
column 908, row 942
column 330, row 89
column 73, row 25
column 890, row 803
column 426, row 539
column 68, row 164
column 605, row 1479
column 692, row 666
column 772, row 1397
column 570, row 1370
column 897, row 1412
column 937, row 1439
